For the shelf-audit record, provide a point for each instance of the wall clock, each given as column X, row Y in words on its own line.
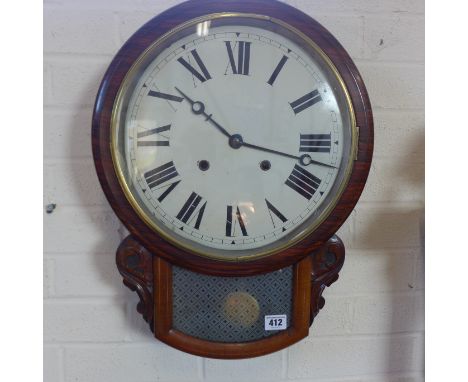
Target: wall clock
column 233, row 139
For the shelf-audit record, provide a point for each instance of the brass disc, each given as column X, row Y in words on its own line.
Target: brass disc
column 241, row 308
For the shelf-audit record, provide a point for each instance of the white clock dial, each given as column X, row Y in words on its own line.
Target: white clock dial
column 234, row 139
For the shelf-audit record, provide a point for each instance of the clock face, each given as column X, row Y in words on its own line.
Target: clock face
column 233, row 137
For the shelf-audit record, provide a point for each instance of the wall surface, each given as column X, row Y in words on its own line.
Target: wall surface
column 372, row 327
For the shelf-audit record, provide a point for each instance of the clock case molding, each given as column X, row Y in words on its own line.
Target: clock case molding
column 144, row 259
column 150, row 276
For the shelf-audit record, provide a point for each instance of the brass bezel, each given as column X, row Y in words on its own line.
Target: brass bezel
column 172, row 239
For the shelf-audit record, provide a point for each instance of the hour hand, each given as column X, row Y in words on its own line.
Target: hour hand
column 198, row 108
column 184, row 95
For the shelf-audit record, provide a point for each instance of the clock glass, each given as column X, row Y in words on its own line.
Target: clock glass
column 233, row 136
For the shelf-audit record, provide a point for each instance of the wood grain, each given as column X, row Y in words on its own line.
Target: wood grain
column 151, row 277
column 327, row 262
column 164, row 331
column 113, row 78
column 135, row 264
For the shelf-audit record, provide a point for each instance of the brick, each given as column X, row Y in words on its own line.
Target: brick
column 72, row 183
column 78, row 321
column 67, row 133
column 267, row 368
column 149, row 5
column 385, row 227
column 138, row 330
column 375, row 271
column 420, row 319
column 124, row 363
column 335, row 357
column 130, row 22
column 394, row 180
column 397, row 37
column 159, row 6
column 335, row 318
column 415, row 377
column 394, row 86
column 398, row 377
column 359, row 6
column 47, row 83
column 87, row 275
column 78, row 229
column 53, row 364
column 419, row 270
column 399, row 135
column 123, row 232
column 345, row 233
column 419, row 352
column 47, row 278
column 388, row 313
column 394, row 377
column 348, row 30
column 61, row 26
column 75, row 81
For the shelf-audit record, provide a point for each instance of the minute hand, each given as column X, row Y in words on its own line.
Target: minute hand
column 305, row 159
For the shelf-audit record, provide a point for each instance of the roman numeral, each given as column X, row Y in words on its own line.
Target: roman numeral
column 168, row 190
column 306, row 101
column 277, row 71
column 168, row 97
column 147, row 133
column 274, row 210
column 243, row 57
column 315, row 143
column 303, row 182
column 231, row 219
column 204, row 75
column 189, row 208
column 160, row 175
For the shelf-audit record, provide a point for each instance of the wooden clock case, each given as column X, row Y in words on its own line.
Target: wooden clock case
column 144, row 259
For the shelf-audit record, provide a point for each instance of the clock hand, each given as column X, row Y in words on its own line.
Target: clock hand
column 236, row 141
column 304, row 159
column 198, row 108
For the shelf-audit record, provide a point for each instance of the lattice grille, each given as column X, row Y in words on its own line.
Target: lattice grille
column 229, row 309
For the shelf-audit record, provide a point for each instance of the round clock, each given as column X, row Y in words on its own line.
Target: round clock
column 234, row 133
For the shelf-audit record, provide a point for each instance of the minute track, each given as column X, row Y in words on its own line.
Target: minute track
column 228, row 105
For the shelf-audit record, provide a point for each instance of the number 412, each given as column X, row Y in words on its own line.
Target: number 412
column 276, row 322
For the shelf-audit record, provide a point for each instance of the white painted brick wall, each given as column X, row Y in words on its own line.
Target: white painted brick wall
column 267, row 368
column 129, row 362
column 93, row 275
column 338, row 356
column 66, row 133
column 372, row 327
